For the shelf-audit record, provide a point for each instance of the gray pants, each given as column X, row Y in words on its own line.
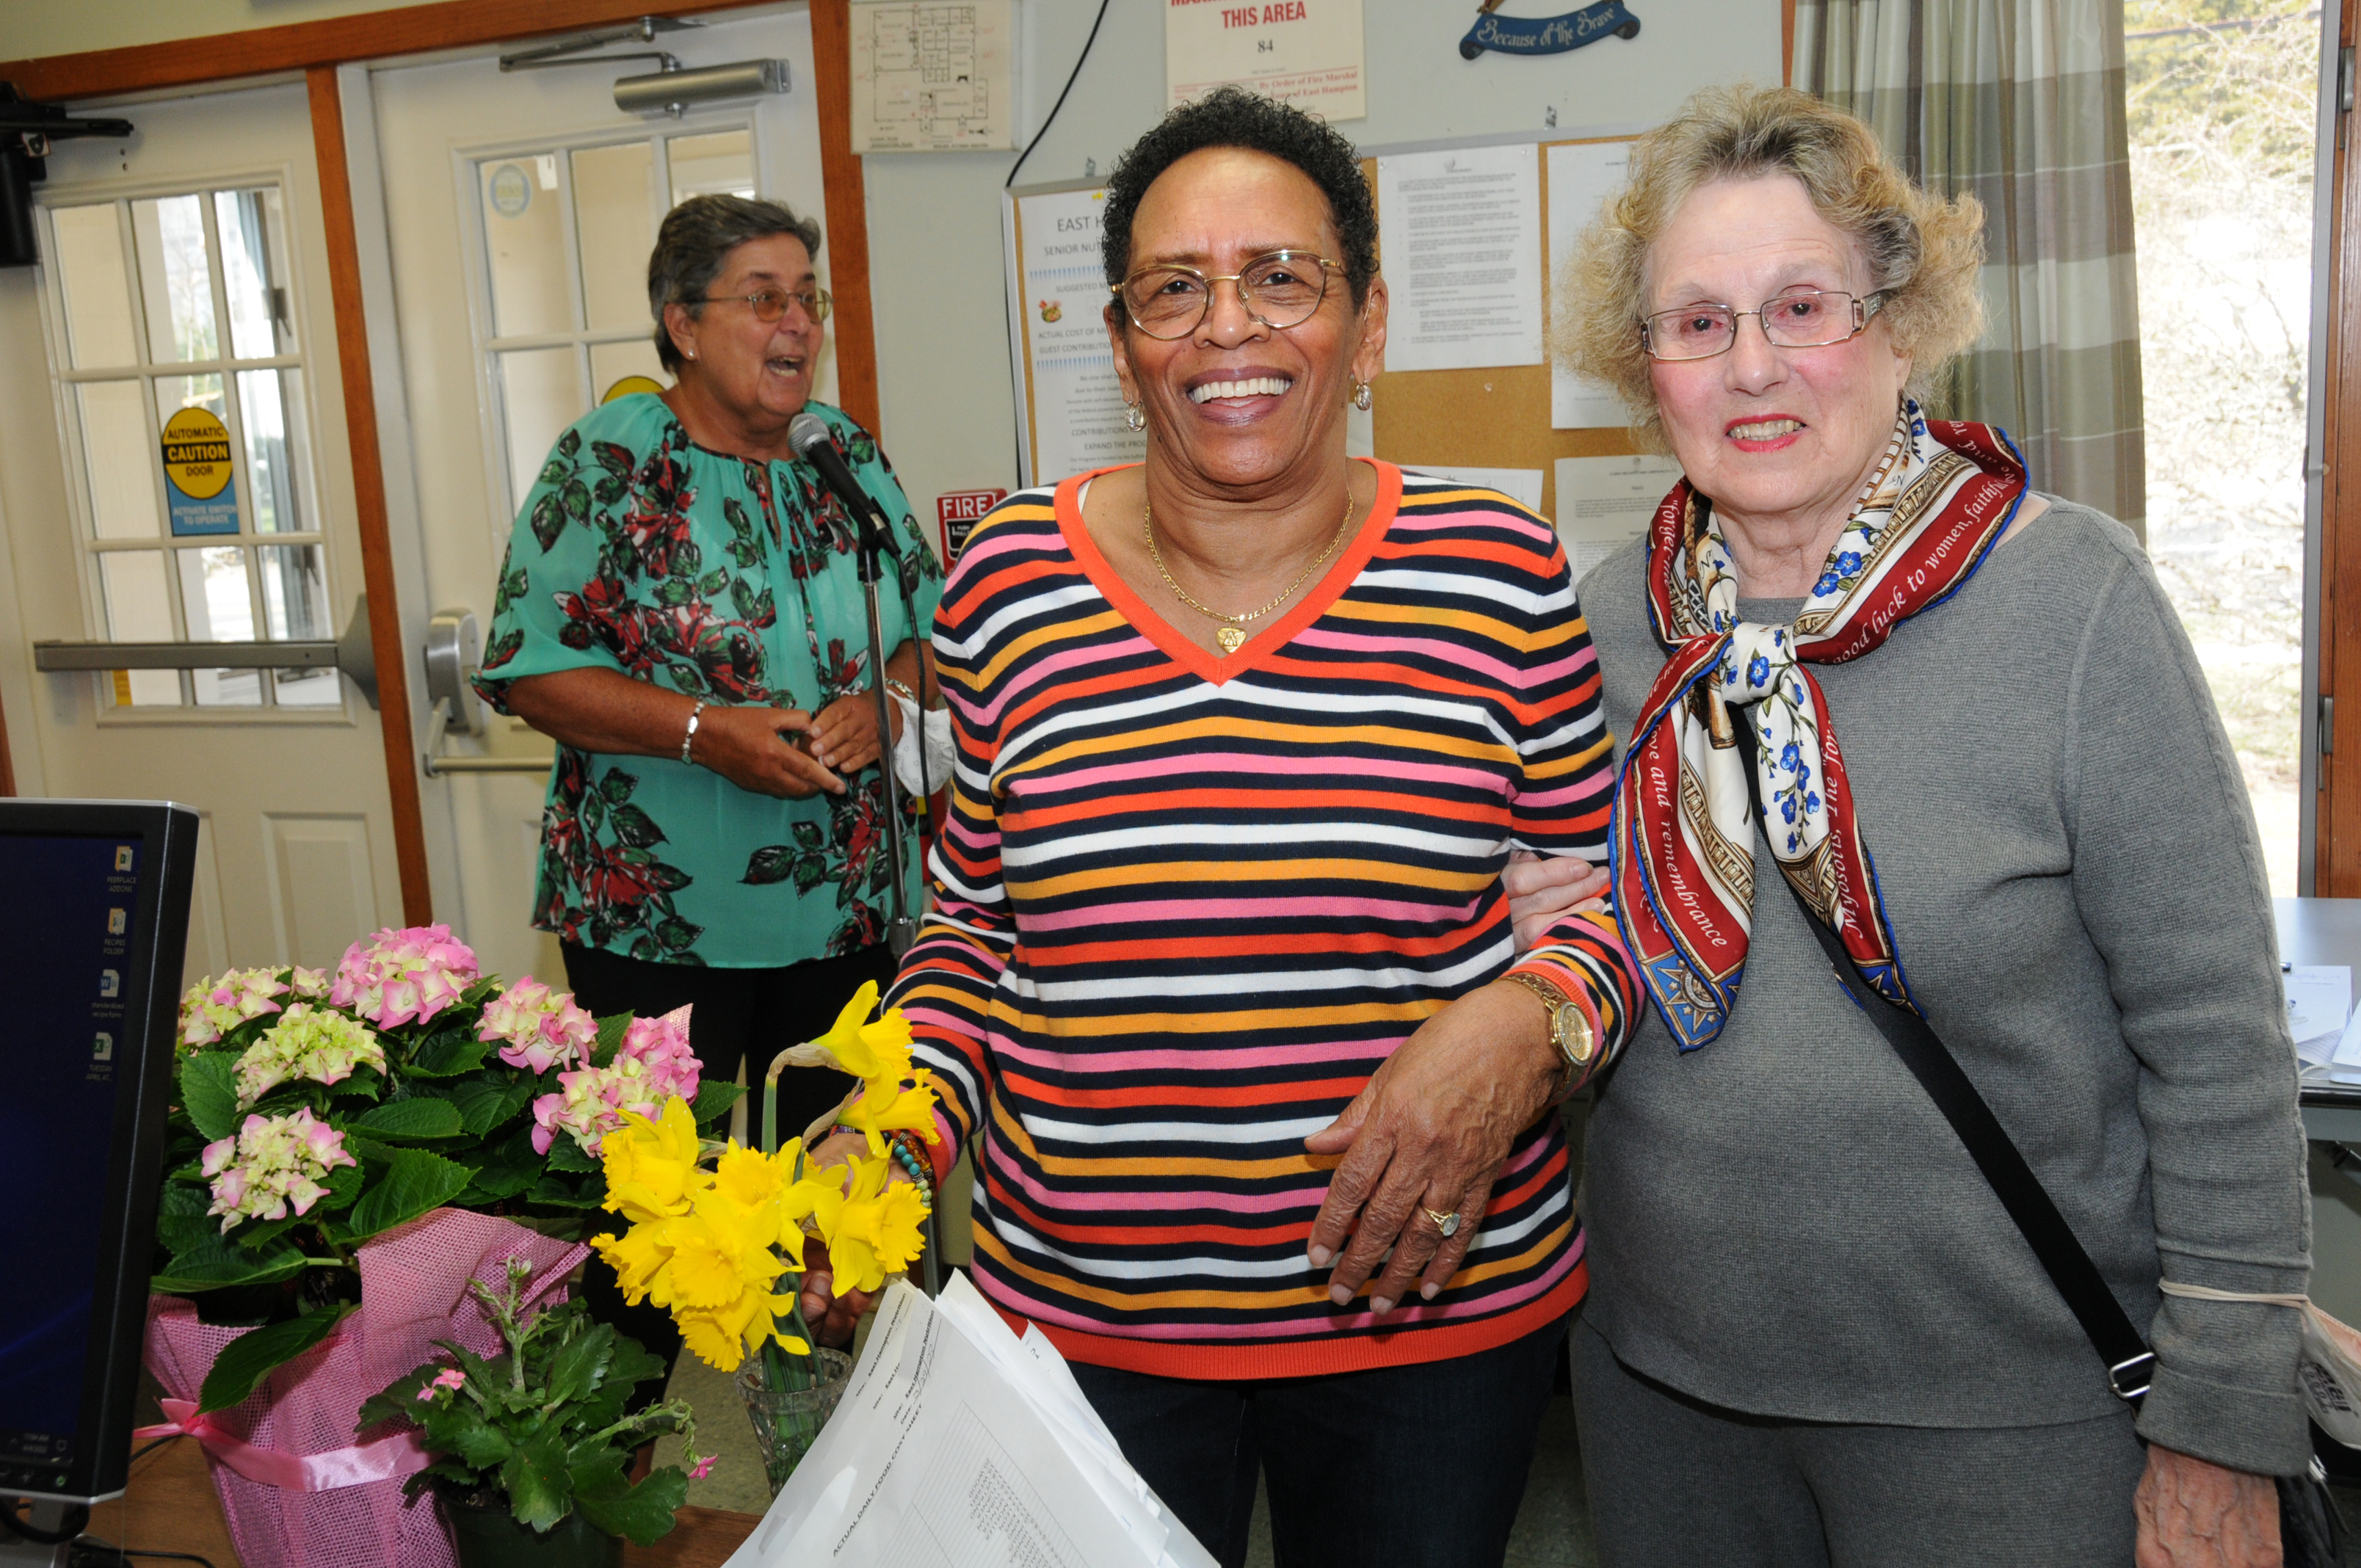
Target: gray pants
column 1676, row 1482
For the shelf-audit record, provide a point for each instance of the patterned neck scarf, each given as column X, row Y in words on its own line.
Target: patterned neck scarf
column 1682, row 840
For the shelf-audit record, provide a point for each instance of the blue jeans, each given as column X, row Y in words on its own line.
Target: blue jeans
column 1413, row 1467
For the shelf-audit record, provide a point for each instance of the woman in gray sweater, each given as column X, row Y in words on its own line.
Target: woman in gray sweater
column 1813, row 1335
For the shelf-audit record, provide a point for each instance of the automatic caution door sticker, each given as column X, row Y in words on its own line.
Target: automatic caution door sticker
column 197, row 474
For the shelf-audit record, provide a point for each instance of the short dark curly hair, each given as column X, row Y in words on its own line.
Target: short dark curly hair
column 1233, row 117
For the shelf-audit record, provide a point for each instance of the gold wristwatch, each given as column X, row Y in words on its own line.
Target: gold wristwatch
column 1569, row 1029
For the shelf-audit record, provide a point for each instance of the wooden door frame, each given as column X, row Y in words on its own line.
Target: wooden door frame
column 318, row 49
column 2335, row 802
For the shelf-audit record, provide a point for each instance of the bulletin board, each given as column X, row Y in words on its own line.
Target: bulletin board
column 1497, row 417
column 1070, row 409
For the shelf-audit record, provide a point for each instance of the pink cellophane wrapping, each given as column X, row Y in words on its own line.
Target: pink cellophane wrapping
column 413, row 1292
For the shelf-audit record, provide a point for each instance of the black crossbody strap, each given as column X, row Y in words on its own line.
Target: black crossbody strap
column 2120, row 1345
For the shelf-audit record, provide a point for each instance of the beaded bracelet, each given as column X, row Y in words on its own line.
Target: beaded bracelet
column 901, row 1148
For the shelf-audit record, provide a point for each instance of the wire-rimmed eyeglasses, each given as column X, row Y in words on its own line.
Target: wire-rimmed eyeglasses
column 1281, row 289
column 1813, row 320
column 770, row 304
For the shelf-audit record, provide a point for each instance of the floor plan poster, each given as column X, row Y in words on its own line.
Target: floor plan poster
column 931, row 76
column 1305, row 52
column 1071, row 401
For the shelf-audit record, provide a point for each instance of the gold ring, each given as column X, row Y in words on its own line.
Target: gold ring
column 1447, row 1224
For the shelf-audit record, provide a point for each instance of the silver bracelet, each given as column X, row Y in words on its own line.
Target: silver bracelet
column 694, row 714
column 904, row 692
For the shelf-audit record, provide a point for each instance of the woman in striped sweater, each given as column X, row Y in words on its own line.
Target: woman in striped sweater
column 1220, row 985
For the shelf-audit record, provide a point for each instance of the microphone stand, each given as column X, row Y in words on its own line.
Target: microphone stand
column 901, row 930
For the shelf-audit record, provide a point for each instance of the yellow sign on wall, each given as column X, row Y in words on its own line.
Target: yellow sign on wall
column 197, row 473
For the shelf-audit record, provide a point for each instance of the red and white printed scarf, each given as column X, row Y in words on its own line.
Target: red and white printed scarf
column 1682, row 849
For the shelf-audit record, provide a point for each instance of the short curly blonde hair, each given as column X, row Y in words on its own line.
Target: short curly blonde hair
column 1923, row 250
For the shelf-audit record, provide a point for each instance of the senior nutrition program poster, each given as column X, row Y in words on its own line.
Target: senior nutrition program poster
column 1304, row 52
column 1070, row 400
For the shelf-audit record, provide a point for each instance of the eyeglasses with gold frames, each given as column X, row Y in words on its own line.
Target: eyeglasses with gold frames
column 1281, row 289
column 770, row 304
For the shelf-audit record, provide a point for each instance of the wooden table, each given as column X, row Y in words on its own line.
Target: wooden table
column 171, row 1506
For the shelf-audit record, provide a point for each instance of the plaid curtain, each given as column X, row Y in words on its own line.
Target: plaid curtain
column 2021, row 103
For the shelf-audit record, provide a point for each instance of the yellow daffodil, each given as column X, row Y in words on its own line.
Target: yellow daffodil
column 876, row 1229
column 877, row 1113
column 744, row 1194
column 637, row 1256
column 651, row 1170
column 878, row 1053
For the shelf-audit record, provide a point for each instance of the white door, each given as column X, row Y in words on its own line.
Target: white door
column 173, row 469
column 518, row 209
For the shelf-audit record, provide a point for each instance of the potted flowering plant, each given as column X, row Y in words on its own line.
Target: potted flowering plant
column 531, row 1447
column 318, row 1112
column 717, row 1232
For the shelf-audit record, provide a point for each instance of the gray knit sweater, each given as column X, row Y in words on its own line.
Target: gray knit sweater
column 1782, row 1222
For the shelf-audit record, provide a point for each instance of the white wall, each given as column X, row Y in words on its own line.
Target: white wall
column 949, row 406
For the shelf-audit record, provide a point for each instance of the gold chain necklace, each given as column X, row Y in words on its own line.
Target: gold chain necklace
column 1232, row 635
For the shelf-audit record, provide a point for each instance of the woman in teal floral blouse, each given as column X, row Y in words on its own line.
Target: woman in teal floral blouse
column 679, row 609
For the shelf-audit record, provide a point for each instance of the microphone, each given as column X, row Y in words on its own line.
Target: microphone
column 810, row 439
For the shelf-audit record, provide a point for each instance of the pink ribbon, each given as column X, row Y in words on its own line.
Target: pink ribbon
column 386, row 1459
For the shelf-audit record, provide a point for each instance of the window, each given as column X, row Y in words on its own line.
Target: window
column 2221, row 103
column 180, row 382
column 566, row 234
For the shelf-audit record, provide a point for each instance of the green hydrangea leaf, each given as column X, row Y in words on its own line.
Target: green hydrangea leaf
column 485, row 1105
column 714, row 1100
column 209, row 1092
column 246, row 1360
column 215, row 1264
column 411, row 1121
column 414, row 1182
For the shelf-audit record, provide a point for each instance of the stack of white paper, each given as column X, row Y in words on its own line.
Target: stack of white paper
column 959, row 1443
column 2319, row 1015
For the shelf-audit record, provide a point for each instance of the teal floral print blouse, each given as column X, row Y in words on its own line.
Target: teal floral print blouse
column 725, row 579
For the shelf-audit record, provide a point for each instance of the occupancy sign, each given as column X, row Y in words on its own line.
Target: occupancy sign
column 197, row 474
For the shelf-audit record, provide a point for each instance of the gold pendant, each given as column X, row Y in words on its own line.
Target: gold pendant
column 1231, row 638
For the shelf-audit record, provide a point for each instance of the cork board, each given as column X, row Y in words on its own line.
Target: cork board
column 1492, row 418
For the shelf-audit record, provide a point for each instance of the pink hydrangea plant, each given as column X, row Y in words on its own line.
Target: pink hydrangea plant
column 270, row 1163
column 538, row 1028
column 307, row 1042
column 662, row 1043
column 399, row 975
column 211, row 1008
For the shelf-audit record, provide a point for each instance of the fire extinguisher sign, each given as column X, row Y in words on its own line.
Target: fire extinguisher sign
column 958, row 511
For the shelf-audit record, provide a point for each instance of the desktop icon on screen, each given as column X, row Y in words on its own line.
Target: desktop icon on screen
column 102, row 1048
column 117, row 922
column 123, row 853
column 110, row 985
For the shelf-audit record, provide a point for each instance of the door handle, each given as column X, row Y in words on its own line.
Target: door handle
column 352, row 653
column 454, row 651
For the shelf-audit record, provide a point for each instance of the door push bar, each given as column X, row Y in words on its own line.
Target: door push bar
column 351, row 653
column 453, row 650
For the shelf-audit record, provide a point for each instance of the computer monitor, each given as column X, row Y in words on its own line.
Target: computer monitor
column 93, row 923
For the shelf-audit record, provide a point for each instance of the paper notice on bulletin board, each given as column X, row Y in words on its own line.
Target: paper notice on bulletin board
column 1068, row 393
column 1604, row 503
column 1304, row 52
column 1582, row 176
column 1463, row 258
column 932, row 76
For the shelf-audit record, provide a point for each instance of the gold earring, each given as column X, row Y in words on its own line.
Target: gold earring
column 1362, row 395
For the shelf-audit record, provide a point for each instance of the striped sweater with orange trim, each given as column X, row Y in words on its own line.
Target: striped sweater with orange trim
column 1187, row 905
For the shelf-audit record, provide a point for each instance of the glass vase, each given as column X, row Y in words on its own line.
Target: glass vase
column 788, row 1420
